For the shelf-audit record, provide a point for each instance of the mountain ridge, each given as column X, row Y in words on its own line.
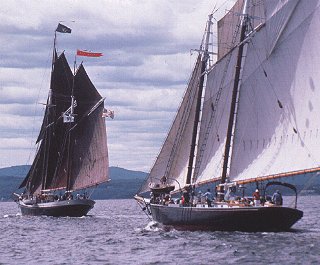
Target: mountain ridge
column 123, row 184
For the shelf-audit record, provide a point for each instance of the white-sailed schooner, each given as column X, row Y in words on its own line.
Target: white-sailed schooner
column 256, row 121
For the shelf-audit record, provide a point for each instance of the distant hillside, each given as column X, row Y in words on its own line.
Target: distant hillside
column 123, row 184
column 15, row 171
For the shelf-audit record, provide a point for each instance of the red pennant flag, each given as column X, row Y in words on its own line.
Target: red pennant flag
column 88, row 54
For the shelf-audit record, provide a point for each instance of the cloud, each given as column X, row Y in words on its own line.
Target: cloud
column 143, row 73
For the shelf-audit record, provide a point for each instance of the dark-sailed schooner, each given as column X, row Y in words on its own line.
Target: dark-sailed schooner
column 72, row 154
column 257, row 121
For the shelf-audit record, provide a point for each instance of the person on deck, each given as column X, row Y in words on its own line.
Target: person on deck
column 186, row 198
column 209, row 197
column 277, row 198
column 230, row 194
column 163, row 180
column 193, row 197
column 256, row 198
column 199, row 197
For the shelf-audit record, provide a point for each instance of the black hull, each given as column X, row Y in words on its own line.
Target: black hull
column 250, row 219
column 71, row 208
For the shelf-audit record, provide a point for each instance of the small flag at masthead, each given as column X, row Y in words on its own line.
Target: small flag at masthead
column 63, row 29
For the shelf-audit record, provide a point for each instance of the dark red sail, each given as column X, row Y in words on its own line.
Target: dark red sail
column 52, row 129
column 85, row 158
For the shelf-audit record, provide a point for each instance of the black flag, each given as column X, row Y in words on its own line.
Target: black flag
column 63, row 29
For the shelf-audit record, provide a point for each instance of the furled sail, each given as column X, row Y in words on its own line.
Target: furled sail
column 173, row 158
column 277, row 128
column 71, row 155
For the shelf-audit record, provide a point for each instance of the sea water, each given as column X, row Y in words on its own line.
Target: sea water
column 118, row 232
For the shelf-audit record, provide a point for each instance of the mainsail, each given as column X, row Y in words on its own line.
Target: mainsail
column 71, row 155
column 277, row 128
column 274, row 123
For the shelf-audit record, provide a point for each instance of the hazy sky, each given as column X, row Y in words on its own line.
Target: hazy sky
column 143, row 73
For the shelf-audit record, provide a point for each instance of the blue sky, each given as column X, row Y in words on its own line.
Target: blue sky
column 143, row 73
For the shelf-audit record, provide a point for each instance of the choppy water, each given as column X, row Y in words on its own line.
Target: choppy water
column 118, row 232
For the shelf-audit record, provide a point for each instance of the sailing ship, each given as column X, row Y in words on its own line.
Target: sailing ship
column 72, row 154
column 251, row 118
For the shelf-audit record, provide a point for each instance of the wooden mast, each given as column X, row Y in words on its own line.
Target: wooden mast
column 69, row 151
column 235, row 90
column 199, row 96
column 48, row 129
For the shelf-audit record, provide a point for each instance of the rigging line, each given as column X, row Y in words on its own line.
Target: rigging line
column 86, row 114
column 215, row 10
column 144, row 208
column 62, row 149
column 282, row 26
column 241, row 51
column 31, row 148
column 266, row 74
column 256, row 53
column 181, row 129
column 149, row 176
column 183, row 122
column 213, row 117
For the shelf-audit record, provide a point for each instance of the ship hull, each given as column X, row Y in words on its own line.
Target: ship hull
column 71, row 208
column 251, row 219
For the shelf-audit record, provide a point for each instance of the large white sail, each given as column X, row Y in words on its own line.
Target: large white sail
column 214, row 120
column 217, row 101
column 278, row 126
column 173, row 158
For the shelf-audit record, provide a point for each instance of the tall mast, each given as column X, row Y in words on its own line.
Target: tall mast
column 235, row 90
column 47, row 130
column 204, row 61
column 70, row 120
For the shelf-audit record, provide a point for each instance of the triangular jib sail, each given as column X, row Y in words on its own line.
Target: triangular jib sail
column 172, row 161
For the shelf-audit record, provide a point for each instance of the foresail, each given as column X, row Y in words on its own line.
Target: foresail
column 52, row 129
column 214, row 120
column 278, row 127
column 173, row 158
